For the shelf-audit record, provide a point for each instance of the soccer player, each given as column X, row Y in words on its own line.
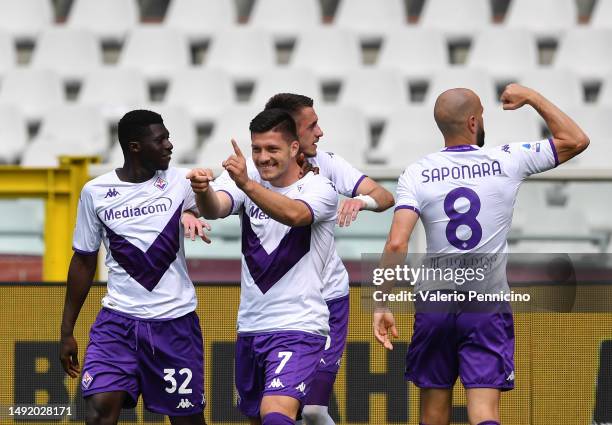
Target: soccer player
column 147, row 338
column 364, row 194
column 464, row 195
column 287, row 239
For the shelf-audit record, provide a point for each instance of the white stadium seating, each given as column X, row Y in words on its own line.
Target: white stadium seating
column 110, row 20
column 199, row 20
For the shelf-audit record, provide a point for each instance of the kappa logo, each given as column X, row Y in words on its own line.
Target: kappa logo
column 87, row 380
column 506, row 148
column 276, row 383
column 510, row 377
column 301, row 388
column 160, row 183
column 111, row 193
column 184, row 404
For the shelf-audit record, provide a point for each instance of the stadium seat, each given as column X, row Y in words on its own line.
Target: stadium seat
column 110, row 20
column 182, row 130
column 199, row 20
column 376, row 92
column 34, row 90
column 70, row 53
column 505, row 54
column 13, row 133
column 243, row 52
column 605, row 94
column 232, row 123
column 330, row 53
column 601, row 16
column 114, row 91
column 415, row 52
column 561, row 87
column 458, row 19
column 370, row 19
column 157, row 51
column 546, row 18
column 285, row 80
column 410, row 134
column 501, row 127
column 596, row 123
column 285, row 19
column 476, row 80
column 368, row 225
column 587, row 52
column 25, row 19
column 205, row 93
column 8, row 59
column 345, row 132
column 595, row 199
column 74, row 125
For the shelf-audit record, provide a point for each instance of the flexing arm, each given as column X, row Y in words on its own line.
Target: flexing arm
column 290, row 212
column 80, row 278
column 394, row 253
column 568, row 137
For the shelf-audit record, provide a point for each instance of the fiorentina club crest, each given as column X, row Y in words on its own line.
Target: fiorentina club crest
column 160, row 183
column 87, row 378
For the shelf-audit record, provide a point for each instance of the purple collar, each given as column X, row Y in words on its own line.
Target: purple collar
column 460, row 148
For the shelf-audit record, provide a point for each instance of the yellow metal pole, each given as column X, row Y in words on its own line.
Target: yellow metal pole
column 60, row 187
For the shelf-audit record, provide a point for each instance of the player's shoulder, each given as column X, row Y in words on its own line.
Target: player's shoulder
column 317, row 182
column 102, row 180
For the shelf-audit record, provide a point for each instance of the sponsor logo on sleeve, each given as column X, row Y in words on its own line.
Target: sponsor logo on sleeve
column 534, row 147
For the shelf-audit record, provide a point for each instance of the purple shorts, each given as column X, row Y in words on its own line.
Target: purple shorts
column 161, row 359
column 476, row 346
column 279, row 363
column 322, row 386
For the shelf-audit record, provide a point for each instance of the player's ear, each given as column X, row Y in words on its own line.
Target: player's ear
column 134, row 146
column 294, row 148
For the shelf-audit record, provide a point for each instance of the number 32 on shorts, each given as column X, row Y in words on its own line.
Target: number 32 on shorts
column 169, row 377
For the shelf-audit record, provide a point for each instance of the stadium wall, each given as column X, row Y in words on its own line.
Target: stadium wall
column 563, row 363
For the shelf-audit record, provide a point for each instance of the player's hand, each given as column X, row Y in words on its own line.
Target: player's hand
column 347, row 213
column 515, row 96
column 305, row 165
column 236, row 166
column 383, row 323
column 194, row 226
column 200, row 179
column 69, row 353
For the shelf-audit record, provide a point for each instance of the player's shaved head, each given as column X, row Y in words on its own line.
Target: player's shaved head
column 454, row 108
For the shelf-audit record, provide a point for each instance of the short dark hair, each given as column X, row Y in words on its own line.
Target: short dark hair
column 276, row 120
column 135, row 125
column 290, row 102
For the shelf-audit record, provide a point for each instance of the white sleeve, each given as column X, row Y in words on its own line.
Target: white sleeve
column 343, row 175
column 189, row 202
column 406, row 193
column 224, row 183
column 531, row 158
column 321, row 198
column 88, row 230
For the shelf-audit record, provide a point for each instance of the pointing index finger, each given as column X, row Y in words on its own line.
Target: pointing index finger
column 237, row 149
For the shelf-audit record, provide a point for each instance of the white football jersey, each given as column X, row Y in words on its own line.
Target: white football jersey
column 346, row 179
column 465, row 195
column 140, row 226
column 282, row 266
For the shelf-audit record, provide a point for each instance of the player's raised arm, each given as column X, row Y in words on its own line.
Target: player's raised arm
column 211, row 204
column 290, row 212
column 568, row 137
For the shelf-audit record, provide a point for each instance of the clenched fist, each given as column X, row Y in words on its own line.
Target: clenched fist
column 200, row 179
column 515, row 96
